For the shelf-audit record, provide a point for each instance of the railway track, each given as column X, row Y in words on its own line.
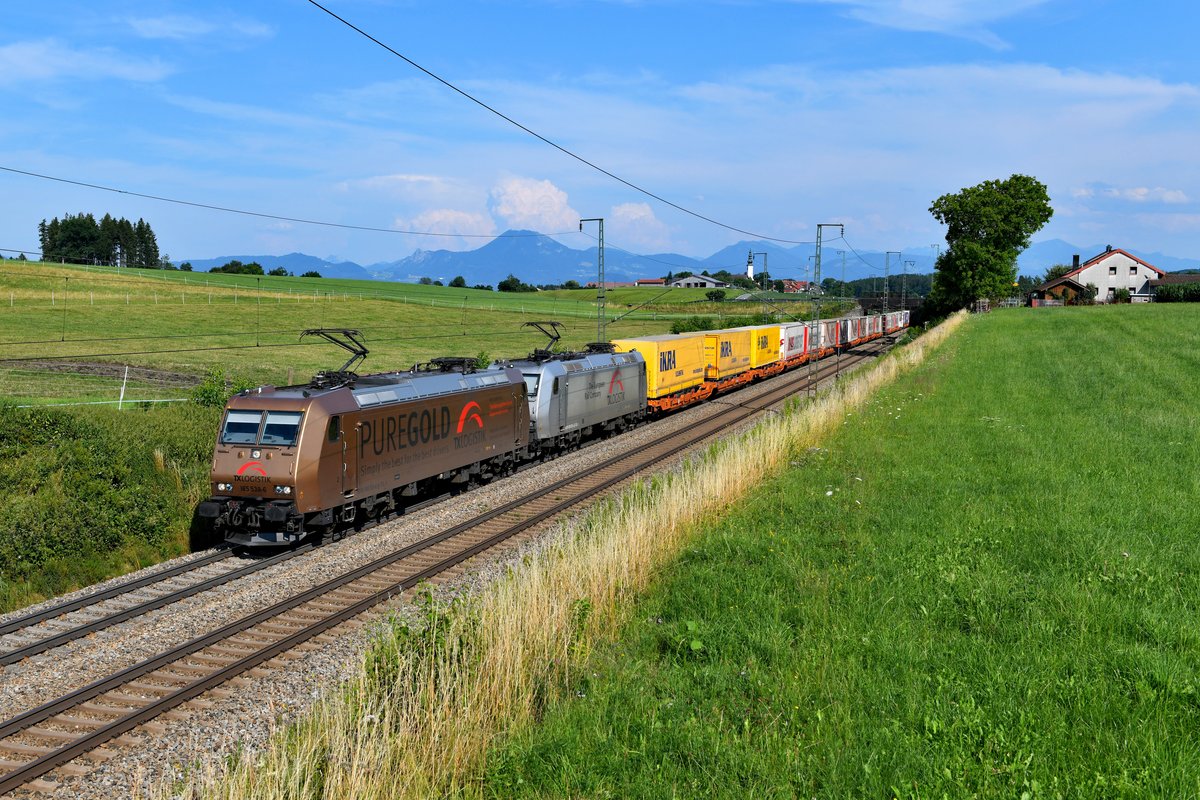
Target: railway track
column 77, row 724
column 84, row 621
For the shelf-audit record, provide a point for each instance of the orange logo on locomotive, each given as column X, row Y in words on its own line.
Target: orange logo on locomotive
column 466, row 415
column 616, row 383
column 470, row 413
column 251, row 466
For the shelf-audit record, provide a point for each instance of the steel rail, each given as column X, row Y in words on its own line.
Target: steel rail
column 116, row 591
column 642, row 458
column 107, row 621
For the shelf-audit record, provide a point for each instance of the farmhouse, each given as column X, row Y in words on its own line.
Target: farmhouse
column 1113, row 270
column 650, row 282
column 1063, row 289
column 698, row 282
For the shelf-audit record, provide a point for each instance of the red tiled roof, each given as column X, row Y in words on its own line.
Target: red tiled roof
column 1097, row 259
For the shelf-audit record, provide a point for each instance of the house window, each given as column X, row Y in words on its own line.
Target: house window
column 1133, row 290
column 1133, row 270
column 1112, row 270
column 1111, row 293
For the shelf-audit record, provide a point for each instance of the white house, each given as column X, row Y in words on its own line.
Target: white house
column 699, row 282
column 1113, row 270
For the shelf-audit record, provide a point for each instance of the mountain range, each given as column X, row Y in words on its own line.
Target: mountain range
column 539, row 259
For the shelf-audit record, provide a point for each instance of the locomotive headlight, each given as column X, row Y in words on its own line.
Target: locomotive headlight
column 283, row 490
column 224, row 487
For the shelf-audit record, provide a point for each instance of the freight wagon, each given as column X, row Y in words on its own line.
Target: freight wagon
column 675, row 368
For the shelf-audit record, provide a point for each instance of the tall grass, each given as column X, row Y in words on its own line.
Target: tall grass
column 983, row 585
column 435, row 693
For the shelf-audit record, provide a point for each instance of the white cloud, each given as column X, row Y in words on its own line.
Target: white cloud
column 1135, row 194
column 965, row 18
column 400, row 184
column 1172, row 223
column 533, row 204
column 181, row 26
column 449, row 221
column 52, row 60
column 171, row 27
column 634, row 225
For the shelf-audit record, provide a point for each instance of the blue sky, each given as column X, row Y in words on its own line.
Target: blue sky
column 766, row 116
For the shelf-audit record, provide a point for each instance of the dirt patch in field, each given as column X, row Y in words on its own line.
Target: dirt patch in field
column 143, row 375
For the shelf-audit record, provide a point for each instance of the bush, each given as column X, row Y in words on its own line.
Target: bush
column 236, row 267
column 514, row 284
column 693, row 324
column 83, row 484
column 1177, row 293
column 215, row 390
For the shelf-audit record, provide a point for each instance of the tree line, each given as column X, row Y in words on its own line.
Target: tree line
column 236, row 267
column 81, row 239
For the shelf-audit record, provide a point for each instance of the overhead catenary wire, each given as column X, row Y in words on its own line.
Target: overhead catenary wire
column 540, row 137
column 376, row 341
column 278, row 217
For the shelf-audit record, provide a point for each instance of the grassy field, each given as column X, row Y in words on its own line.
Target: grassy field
column 985, row 586
column 249, row 326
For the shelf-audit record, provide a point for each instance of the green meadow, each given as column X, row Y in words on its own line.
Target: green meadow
column 249, row 326
column 986, row 585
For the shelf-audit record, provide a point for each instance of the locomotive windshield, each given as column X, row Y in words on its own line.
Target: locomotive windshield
column 531, row 383
column 243, row 427
column 282, row 427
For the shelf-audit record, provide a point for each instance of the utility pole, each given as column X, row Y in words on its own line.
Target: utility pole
column 816, row 283
column 904, row 286
column 600, row 299
column 763, row 282
column 837, row 369
column 887, row 264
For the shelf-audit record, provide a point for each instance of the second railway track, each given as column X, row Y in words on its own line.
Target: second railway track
column 44, row 738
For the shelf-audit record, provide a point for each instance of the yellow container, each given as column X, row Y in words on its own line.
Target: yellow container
column 764, row 344
column 726, row 353
column 673, row 362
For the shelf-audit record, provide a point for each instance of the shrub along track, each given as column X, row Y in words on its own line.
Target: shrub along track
column 78, row 723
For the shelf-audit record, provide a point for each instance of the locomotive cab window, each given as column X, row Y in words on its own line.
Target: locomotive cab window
column 241, row 427
column 532, row 379
column 282, row 428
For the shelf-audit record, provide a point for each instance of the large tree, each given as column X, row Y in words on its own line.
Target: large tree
column 987, row 228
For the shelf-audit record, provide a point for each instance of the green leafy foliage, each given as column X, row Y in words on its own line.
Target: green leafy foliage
column 988, row 226
column 215, row 390
column 1172, row 293
column 440, row 634
column 698, row 323
column 236, row 267
column 83, row 486
column 514, row 284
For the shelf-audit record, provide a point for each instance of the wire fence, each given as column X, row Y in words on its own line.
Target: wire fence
column 37, row 388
